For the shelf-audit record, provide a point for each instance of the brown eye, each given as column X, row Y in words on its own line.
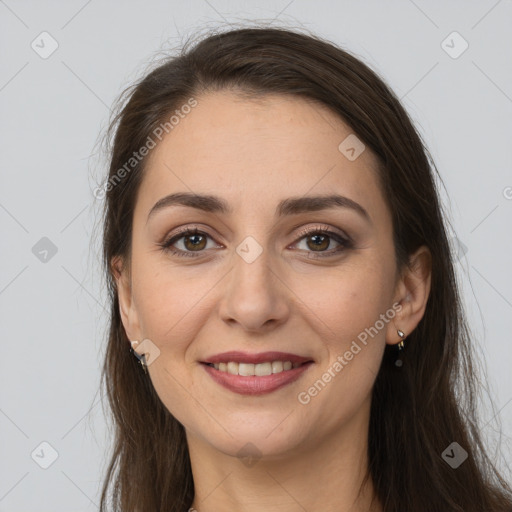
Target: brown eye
column 194, row 241
column 318, row 241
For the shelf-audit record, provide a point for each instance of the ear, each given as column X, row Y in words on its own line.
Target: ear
column 412, row 292
column 127, row 309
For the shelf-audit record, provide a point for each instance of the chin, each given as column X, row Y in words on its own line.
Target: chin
column 256, row 441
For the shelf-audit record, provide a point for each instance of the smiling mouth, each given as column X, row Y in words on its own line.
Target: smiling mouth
column 256, row 369
column 256, row 379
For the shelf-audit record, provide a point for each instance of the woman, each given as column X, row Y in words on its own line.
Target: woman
column 286, row 329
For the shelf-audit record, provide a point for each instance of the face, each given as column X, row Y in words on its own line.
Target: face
column 259, row 277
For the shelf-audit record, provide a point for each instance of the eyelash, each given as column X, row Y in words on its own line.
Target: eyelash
column 345, row 243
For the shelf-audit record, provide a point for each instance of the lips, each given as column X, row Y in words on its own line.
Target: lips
column 263, row 383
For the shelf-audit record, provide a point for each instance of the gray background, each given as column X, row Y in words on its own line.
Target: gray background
column 53, row 111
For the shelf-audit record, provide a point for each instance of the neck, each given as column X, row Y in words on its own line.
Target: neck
column 322, row 474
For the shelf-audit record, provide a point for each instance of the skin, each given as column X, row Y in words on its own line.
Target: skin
column 253, row 154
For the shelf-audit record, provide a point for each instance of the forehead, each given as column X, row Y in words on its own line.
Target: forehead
column 259, row 150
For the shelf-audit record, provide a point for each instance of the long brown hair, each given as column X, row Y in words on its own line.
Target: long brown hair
column 417, row 410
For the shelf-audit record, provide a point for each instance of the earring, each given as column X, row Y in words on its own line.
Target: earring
column 141, row 358
column 399, row 362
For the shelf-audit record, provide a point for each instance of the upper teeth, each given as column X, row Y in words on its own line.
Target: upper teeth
column 260, row 369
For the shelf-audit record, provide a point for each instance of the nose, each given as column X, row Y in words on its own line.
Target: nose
column 255, row 296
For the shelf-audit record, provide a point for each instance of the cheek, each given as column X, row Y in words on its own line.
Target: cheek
column 170, row 312
column 346, row 316
column 344, row 310
column 168, row 305
column 343, row 303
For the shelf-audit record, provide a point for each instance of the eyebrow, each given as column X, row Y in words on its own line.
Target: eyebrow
column 290, row 206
